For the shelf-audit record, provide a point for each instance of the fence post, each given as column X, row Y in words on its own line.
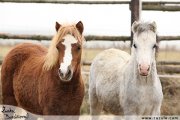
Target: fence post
column 135, row 7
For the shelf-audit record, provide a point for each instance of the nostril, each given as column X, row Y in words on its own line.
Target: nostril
column 68, row 72
column 60, row 73
column 69, row 67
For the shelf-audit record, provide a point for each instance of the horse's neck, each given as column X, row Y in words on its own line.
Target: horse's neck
column 137, row 78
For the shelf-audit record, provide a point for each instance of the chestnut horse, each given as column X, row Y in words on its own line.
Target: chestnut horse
column 46, row 81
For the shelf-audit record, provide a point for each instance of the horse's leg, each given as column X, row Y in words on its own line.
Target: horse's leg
column 95, row 106
column 131, row 112
column 156, row 110
column 8, row 97
column 7, row 72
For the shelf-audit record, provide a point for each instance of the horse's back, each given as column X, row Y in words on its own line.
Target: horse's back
column 108, row 61
column 19, row 54
column 27, row 49
column 22, row 52
column 104, row 81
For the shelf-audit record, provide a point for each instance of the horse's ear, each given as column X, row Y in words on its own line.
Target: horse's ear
column 135, row 26
column 153, row 26
column 57, row 26
column 80, row 27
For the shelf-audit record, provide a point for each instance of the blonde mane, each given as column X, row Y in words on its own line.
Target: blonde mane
column 51, row 57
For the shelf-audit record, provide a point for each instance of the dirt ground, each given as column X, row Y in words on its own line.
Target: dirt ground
column 171, row 91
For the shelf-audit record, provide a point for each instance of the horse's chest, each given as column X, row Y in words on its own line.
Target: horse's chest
column 144, row 95
column 65, row 101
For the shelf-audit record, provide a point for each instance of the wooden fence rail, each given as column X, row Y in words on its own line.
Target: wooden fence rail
column 168, row 69
column 91, row 2
column 146, row 5
column 88, row 63
column 158, row 63
column 162, row 66
column 87, row 37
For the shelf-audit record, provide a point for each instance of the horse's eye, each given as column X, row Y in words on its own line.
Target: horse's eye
column 134, row 45
column 155, row 46
column 79, row 47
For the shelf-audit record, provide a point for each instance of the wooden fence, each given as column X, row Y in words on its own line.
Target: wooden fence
column 135, row 6
column 162, row 66
column 7, row 36
column 147, row 5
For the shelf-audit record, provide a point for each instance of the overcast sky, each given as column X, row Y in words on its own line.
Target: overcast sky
column 97, row 19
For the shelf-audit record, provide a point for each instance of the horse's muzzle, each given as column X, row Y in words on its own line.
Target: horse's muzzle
column 144, row 70
column 67, row 76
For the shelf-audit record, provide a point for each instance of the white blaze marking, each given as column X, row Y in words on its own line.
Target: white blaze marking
column 68, row 41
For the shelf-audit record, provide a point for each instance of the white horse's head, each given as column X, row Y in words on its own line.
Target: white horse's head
column 144, row 45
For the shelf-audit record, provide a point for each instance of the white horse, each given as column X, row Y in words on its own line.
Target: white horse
column 127, row 85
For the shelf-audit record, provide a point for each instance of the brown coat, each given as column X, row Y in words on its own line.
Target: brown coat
column 26, row 84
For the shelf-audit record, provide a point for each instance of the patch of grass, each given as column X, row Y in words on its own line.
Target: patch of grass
column 171, row 92
column 89, row 54
column 4, row 50
column 168, row 55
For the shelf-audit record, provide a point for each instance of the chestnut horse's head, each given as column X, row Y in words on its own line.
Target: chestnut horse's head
column 65, row 50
